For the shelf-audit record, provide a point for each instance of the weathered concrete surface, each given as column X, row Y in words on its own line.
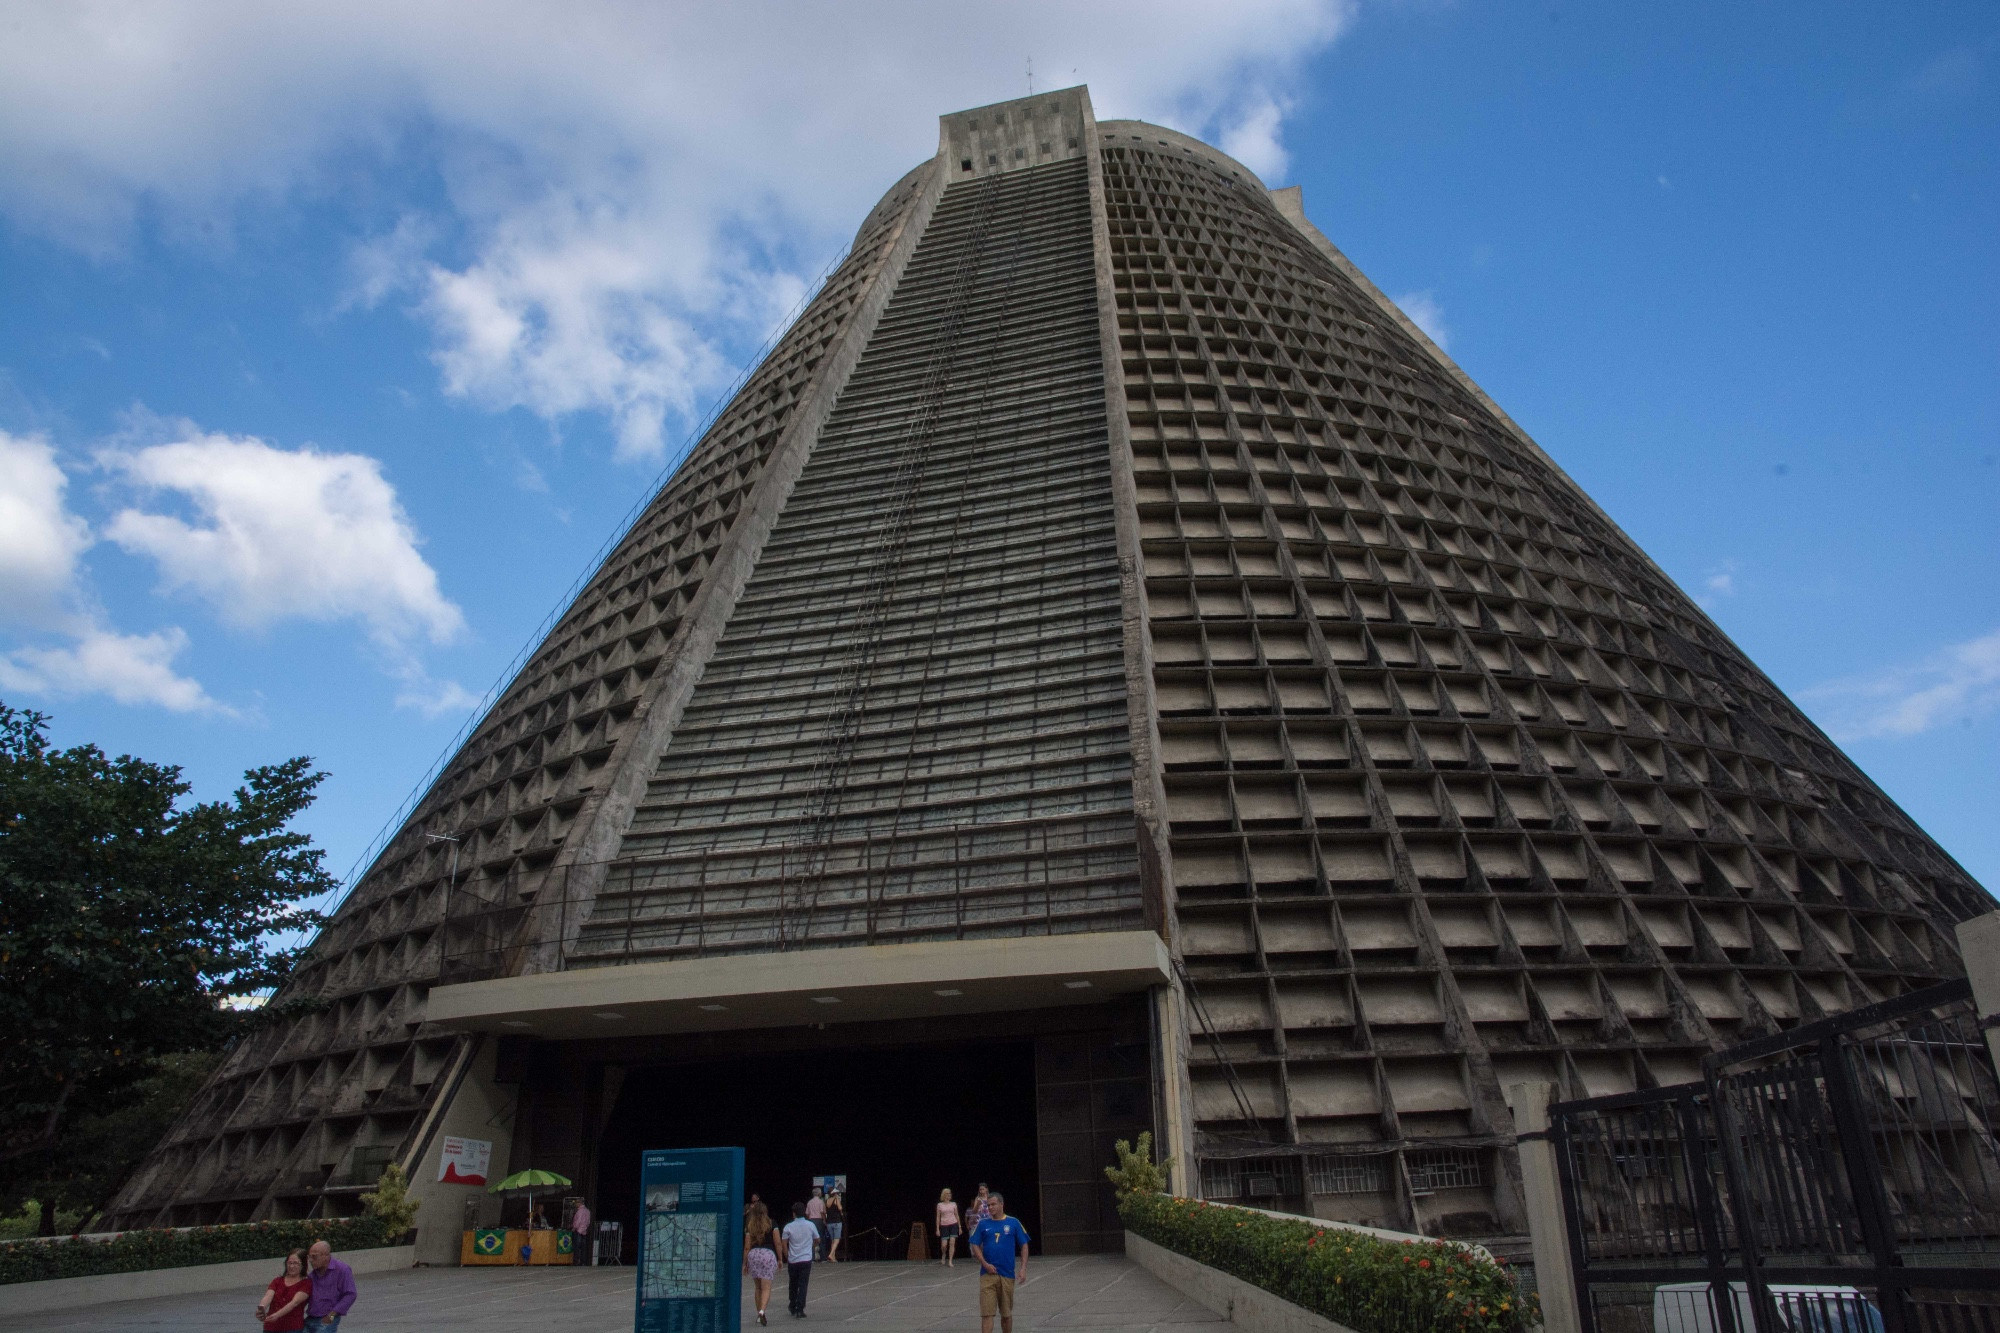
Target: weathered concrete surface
column 1104, row 1293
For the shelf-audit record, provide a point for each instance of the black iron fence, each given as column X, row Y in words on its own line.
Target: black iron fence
column 1842, row 1177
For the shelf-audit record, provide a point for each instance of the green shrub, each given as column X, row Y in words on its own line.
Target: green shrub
column 390, row 1202
column 1370, row 1285
column 137, row 1251
column 1136, row 1172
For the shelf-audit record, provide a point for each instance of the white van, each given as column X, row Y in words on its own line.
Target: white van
column 1688, row 1307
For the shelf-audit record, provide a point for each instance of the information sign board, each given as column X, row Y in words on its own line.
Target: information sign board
column 465, row 1161
column 690, row 1240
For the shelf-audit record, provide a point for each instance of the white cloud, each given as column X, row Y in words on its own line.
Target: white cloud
column 630, row 191
column 41, row 593
column 129, row 668
column 280, row 534
column 384, row 264
column 434, row 698
column 1718, row 583
column 1959, row 683
column 40, row 540
column 565, row 316
column 1947, row 77
column 1425, row 312
column 1254, row 139
column 273, row 534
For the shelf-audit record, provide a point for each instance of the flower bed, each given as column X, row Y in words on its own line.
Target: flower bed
column 1370, row 1285
column 136, row 1251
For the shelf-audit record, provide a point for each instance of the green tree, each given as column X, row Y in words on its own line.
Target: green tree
column 100, row 1144
column 127, row 914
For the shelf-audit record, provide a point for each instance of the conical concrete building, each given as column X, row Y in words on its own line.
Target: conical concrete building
column 1105, row 670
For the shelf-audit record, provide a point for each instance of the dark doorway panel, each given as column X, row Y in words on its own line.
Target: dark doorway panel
column 902, row 1123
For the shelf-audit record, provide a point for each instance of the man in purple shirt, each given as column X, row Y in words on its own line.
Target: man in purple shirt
column 333, row 1290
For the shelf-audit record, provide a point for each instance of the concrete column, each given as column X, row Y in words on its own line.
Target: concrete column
column 1979, row 946
column 1176, row 1150
column 474, row 1106
column 1542, row 1189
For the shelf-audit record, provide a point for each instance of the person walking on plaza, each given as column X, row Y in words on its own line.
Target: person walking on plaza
column 283, row 1308
column 1001, row 1243
column 836, row 1225
column 760, row 1255
column 579, row 1230
column 946, row 1227
column 975, row 1212
column 816, row 1214
column 333, row 1290
column 798, row 1239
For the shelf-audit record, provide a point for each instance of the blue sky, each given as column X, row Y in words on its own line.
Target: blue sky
column 337, row 339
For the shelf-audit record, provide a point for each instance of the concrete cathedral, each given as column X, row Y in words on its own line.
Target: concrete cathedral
column 1106, row 670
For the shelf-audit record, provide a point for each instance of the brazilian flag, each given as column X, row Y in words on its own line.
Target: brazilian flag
column 489, row 1240
column 565, row 1242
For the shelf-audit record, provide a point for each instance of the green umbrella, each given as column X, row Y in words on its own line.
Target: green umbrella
column 530, row 1180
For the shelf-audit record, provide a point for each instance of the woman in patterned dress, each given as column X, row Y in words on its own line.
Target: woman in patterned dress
column 760, row 1255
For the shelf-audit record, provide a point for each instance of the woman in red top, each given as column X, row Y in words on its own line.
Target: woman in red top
column 283, row 1308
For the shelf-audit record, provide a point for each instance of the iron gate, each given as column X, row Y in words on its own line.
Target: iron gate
column 1842, row 1177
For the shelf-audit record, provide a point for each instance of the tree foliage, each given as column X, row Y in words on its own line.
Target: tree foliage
column 99, row 1142
column 127, row 914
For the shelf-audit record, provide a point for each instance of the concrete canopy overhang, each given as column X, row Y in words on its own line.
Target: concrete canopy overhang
column 809, row 986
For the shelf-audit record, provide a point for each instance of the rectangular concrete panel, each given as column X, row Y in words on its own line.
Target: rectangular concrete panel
column 775, row 990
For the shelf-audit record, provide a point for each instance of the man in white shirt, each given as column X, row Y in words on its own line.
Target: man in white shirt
column 796, row 1242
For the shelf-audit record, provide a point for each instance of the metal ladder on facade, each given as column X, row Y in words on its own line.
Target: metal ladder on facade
column 800, row 890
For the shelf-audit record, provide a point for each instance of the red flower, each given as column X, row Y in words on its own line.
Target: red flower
column 1423, row 1263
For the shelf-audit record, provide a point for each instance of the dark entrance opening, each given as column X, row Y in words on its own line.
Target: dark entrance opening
column 901, row 1123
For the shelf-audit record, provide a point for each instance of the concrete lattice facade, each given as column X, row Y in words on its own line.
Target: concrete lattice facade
column 1099, row 553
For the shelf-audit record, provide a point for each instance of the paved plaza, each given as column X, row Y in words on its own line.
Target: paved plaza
column 1106, row 1293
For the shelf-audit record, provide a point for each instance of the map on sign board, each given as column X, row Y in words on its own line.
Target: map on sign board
column 680, row 1256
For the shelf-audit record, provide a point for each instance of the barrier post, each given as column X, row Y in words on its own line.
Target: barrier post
column 1555, row 1279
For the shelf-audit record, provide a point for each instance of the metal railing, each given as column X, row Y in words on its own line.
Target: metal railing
column 574, row 916
column 1841, row 1176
